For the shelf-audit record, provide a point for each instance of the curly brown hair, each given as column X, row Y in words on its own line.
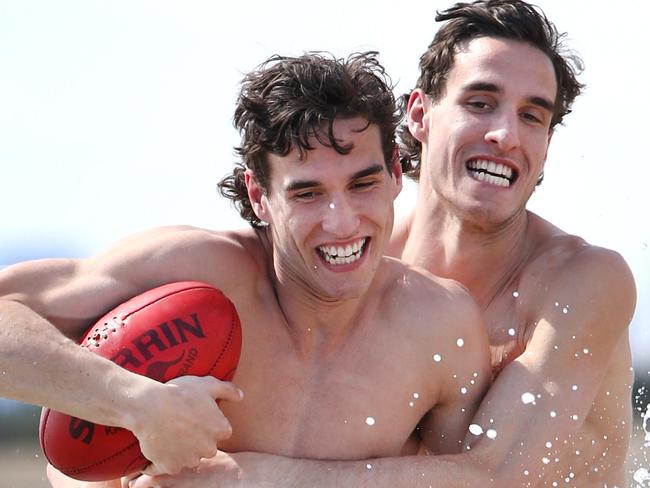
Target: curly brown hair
column 506, row 19
column 286, row 101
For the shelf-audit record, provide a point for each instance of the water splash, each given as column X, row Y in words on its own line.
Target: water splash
column 528, row 398
column 640, row 476
column 646, row 426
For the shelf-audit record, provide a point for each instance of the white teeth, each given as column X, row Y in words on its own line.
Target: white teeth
column 494, row 173
column 343, row 255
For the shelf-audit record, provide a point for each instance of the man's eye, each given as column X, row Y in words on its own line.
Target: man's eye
column 361, row 185
column 478, row 105
column 531, row 117
column 305, row 195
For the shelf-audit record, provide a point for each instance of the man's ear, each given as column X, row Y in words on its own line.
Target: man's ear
column 257, row 196
column 396, row 171
column 417, row 114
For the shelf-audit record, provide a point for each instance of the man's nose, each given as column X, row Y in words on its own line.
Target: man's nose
column 341, row 218
column 504, row 132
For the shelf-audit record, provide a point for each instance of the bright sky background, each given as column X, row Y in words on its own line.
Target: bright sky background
column 116, row 115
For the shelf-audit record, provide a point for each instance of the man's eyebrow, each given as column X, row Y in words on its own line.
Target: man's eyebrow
column 297, row 185
column 300, row 185
column 370, row 170
column 541, row 102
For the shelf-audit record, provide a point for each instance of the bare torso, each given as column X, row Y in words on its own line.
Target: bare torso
column 357, row 396
column 594, row 453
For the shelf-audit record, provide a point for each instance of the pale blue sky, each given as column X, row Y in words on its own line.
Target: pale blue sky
column 116, row 115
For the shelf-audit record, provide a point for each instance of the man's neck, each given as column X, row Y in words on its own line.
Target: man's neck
column 316, row 324
column 483, row 260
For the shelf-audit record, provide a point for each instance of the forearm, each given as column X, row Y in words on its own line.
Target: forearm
column 41, row 366
column 413, row 471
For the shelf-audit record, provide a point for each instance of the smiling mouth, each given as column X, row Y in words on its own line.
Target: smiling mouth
column 348, row 254
column 490, row 172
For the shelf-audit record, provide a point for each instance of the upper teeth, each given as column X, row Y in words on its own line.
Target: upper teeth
column 491, row 172
column 343, row 254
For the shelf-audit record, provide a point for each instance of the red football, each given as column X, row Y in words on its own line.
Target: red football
column 185, row 328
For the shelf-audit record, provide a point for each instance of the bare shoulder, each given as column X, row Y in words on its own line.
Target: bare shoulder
column 439, row 305
column 570, row 272
column 86, row 287
column 187, row 253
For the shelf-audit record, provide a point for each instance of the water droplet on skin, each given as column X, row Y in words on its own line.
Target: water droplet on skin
column 574, row 387
column 475, row 374
column 515, row 294
column 565, row 310
column 491, row 434
column 574, row 417
column 585, row 351
column 475, row 429
column 548, row 444
column 332, row 206
column 416, row 395
column 463, row 391
column 368, row 466
column 437, row 358
column 460, row 342
column 511, row 332
column 528, row 398
column 411, row 404
column 546, row 460
column 553, row 414
column 525, row 472
column 557, row 304
column 370, row 421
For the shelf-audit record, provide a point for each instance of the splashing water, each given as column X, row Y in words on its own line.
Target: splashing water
column 640, row 476
column 646, row 426
column 528, row 398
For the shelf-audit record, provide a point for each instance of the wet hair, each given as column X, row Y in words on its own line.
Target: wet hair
column 505, row 19
column 287, row 101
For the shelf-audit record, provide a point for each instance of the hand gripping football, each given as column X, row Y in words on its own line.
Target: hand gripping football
column 185, row 328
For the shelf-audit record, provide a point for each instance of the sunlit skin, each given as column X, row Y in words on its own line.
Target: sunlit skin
column 556, row 308
column 329, row 199
column 547, row 296
column 338, row 352
column 497, row 107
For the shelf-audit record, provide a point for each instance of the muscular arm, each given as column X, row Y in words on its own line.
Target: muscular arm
column 41, row 301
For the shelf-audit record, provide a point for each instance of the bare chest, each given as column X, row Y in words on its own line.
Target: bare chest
column 363, row 400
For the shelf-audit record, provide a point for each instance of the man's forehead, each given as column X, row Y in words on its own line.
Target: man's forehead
column 497, row 61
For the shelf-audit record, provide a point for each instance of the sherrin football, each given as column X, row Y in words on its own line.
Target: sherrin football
column 184, row 328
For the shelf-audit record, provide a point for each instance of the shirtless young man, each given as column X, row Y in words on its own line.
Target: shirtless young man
column 493, row 86
column 347, row 354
